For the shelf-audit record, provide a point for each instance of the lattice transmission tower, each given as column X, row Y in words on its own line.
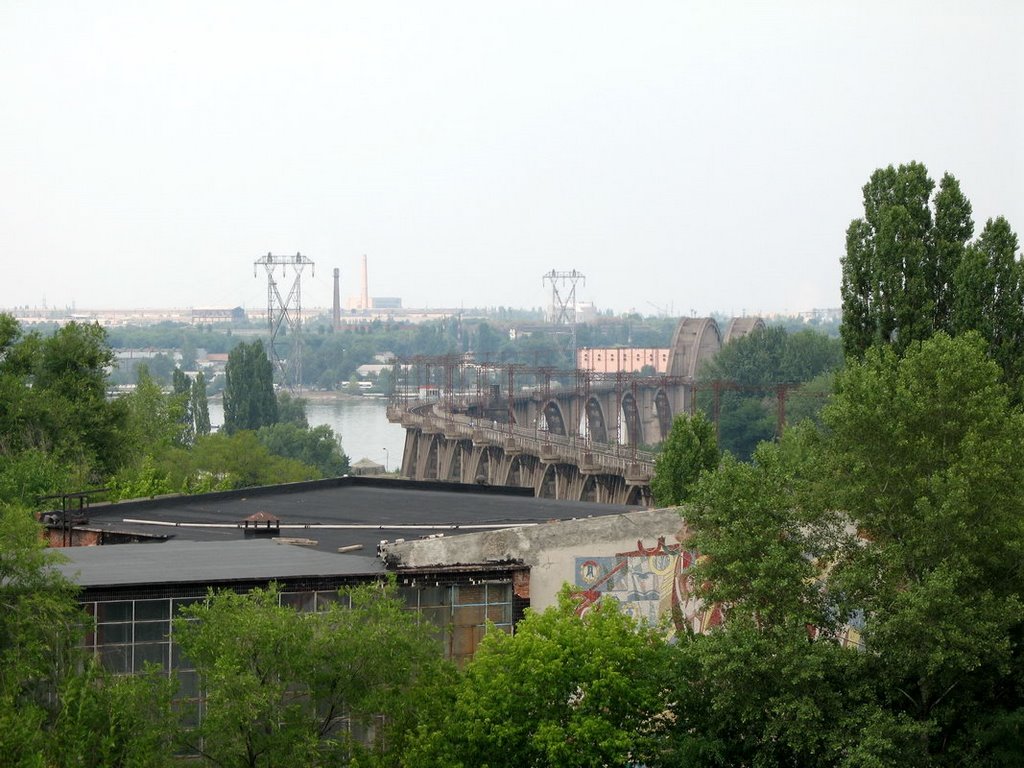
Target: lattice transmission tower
column 563, row 302
column 285, row 312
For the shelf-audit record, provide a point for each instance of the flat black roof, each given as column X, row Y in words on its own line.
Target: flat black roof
column 341, row 512
column 203, row 562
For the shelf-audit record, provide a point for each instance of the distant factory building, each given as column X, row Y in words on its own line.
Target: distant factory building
column 206, row 316
column 622, row 359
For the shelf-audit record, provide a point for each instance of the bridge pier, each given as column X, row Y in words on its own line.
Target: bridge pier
column 553, row 466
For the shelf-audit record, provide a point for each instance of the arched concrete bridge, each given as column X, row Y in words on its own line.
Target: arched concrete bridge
column 583, row 442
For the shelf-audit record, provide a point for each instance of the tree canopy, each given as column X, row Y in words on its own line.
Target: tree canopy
column 690, row 449
column 286, row 688
column 249, row 400
column 53, row 399
column 564, row 690
column 911, row 270
column 896, row 530
column 740, row 386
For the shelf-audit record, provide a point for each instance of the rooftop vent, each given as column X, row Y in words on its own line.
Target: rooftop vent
column 261, row 524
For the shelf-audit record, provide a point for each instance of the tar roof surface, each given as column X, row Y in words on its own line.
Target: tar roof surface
column 383, row 509
column 205, row 562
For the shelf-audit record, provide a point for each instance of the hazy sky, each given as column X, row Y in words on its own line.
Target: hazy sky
column 686, row 155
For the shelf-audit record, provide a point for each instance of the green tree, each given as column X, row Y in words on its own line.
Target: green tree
column 773, row 685
column 40, row 626
column 953, row 229
column 897, row 526
column 143, row 480
column 222, row 462
column 925, row 458
column 182, row 388
column 199, row 407
column 889, row 264
column 488, row 342
column 768, row 691
column 69, row 378
column 281, row 687
column 249, row 401
column 291, row 410
column 744, row 379
column 27, row 475
column 564, row 690
column 54, row 410
column 113, row 720
column 990, row 297
column 155, row 420
column 690, row 450
column 188, row 353
column 387, row 380
column 315, row 446
column 907, row 276
column 754, row 538
column 155, row 425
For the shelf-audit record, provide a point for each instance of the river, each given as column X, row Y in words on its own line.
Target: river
column 360, row 422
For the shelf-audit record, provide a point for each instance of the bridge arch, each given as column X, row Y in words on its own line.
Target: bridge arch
column 519, row 471
column 597, row 425
column 696, row 339
column 486, row 466
column 635, row 496
column 631, row 420
column 459, row 462
column 742, row 326
column 554, row 418
column 547, row 488
column 591, row 490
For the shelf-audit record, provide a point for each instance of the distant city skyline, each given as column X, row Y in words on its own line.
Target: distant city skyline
column 689, row 157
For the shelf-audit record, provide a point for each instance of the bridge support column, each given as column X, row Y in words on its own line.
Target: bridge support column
column 602, row 489
column 428, row 456
column 649, row 423
column 409, row 453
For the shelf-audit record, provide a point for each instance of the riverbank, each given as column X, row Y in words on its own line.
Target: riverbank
column 324, row 396
column 360, row 423
column 336, row 396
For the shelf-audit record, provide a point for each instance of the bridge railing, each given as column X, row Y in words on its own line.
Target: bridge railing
column 620, row 459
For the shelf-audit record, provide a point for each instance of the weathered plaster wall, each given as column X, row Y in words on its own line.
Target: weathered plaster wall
column 551, row 550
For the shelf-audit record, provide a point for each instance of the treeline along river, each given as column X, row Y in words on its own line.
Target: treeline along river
column 360, row 422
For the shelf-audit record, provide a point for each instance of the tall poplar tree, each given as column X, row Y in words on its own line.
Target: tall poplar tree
column 889, row 263
column 182, row 395
column 249, row 400
column 911, row 271
column 199, row 407
column 990, row 297
column 953, row 229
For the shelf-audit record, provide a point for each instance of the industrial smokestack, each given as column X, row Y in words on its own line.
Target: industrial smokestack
column 364, row 297
column 336, row 317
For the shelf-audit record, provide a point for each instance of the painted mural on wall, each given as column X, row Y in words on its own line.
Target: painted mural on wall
column 650, row 583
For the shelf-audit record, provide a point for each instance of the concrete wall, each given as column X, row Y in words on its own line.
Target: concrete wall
column 558, row 552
